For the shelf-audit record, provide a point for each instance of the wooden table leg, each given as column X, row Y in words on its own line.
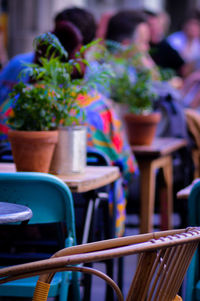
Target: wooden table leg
column 166, row 195
column 147, row 195
column 148, row 181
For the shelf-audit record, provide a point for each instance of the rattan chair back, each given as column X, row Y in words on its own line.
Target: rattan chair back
column 164, row 259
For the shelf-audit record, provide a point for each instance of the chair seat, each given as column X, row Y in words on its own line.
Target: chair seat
column 27, row 286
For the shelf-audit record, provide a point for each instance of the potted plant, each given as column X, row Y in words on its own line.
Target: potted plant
column 141, row 120
column 38, row 109
column 48, row 106
column 131, row 88
column 33, row 135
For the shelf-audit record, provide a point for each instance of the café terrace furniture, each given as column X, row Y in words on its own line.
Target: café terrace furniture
column 163, row 262
column 94, row 177
column 12, row 213
column 51, row 202
column 150, row 159
column 192, row 194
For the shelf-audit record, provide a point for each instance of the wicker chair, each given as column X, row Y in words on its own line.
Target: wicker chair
column 164, row 259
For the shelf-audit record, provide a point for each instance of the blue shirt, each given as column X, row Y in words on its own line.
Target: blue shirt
column 9, row 76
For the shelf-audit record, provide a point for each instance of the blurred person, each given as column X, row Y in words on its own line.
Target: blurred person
column 129, row 27
column 9, row 76
column 82, row 19
column 165, row 21
column 105, row 130
column 161, row 51
column 187, row 40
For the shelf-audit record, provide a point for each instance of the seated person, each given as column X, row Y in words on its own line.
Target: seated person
column 104, row 127
column 160, row 50
column 130, row 28
column 187, row 40
column 187, row 43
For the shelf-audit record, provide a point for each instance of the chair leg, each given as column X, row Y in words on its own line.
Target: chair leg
column 87, row 285
column 120, row 276
column 109, row 271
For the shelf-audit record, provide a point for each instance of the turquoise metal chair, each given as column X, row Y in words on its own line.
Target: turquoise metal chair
column 193, row 274
column 51, row 202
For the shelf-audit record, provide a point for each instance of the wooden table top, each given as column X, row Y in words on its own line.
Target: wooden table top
column 11, row 213
column 94, row 177
column 160, row 146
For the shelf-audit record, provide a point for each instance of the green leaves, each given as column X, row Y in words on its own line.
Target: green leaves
column 52, row 42
column 53, row 99
column 137, row 95
column 131, row 82
column 33, row 107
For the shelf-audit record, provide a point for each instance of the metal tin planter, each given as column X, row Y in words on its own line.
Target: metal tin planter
column 70, row 153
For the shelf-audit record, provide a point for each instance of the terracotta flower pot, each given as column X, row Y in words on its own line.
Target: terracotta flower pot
column 33, row 150
column 141, row 129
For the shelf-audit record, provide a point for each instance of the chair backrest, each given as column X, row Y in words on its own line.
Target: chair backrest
column 48, row 197
column 5, row 153
column 194, row 205
column 193, row 274
column 51, row 202
column 164, row 259
column 96, row 157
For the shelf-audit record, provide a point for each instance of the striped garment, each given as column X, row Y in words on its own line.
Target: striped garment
column 105, row 133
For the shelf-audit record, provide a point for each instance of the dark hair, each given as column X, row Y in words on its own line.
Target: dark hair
column 69, row 35
column 82, row 19
column 123, row 24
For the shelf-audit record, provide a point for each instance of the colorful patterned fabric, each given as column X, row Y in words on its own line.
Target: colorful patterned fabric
column 104, row 133
column 5, row 111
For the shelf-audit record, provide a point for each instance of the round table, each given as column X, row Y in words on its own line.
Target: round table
column 11, row 213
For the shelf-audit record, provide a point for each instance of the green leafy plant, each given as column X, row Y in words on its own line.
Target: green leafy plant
column 131, row 83
column 138, row 95
column 51, row 99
